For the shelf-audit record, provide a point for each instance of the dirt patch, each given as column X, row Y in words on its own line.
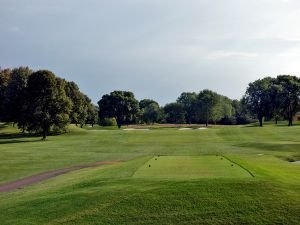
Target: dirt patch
column 47, row 175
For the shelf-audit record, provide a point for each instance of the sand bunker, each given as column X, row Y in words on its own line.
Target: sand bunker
column 297, row 162
column 185, row 128
column 202, row 128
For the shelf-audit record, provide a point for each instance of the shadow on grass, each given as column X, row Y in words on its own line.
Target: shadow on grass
column 13, row 138
column 293, row 147
column 17, row 141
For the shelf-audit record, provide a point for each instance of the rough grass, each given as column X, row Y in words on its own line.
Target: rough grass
column 114, row 195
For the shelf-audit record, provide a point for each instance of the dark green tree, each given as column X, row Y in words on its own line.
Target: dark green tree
column 146, row 102
column 79, row 104
column 276, row 98
column 257, row 98
column 207, row 103
column 175, row 113
column 47, row 103
column 151, row 113
column 5, row 76
column 92, row 112
column 120, row 105
column 189, row 102
column 289, row 96
column 15, row 96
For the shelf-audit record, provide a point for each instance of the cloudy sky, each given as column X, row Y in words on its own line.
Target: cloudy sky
column 155, row 48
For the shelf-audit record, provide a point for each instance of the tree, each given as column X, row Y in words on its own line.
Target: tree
column 15, row 96
column 290, row 94
column 92, row 113
column 207, row 102
column 241, row 113
column 276, row 98
column 175, row 113
column 79, row 105
column 257, row 98
column 151, row 113
column 188, row 100
column 146, row 102
column 121, row 105
column 47, row 103
column 5, row 76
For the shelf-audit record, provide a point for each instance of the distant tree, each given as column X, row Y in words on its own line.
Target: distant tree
column 257, row 98
column 146, row 102
column 207, row 103
column 276, row 99
column 188, row 100
column 151, row 113
column 47, row 103
column 5, row 76
column 15, row 96
column 92, row 113
column 290, row 95
column 241, row 112
column 120, row 105
column 175, row 113
column 79, row 104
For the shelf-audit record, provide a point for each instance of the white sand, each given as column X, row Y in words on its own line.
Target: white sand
column 202, row 128
column 297, row 162
column 185, row 128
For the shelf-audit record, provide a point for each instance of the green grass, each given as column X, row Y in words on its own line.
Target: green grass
column 189, row 167
column 188, row 184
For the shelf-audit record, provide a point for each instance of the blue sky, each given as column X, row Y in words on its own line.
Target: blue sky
column 157, row 48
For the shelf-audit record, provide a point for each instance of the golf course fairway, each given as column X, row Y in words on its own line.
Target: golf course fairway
column 221, row 175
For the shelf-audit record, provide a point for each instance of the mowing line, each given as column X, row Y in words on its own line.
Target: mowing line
column 252, row 175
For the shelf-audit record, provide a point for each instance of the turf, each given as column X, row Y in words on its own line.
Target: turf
column 130, row 193
column 189, row 167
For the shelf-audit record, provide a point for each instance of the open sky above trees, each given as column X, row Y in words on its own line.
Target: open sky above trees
column 153, row 48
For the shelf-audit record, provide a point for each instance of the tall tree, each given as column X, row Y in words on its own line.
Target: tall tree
column 79, row 104
column 15, row 96
column 257, row 98
column 5, row 76
column 290, row 95
column 207, row 102
column 276, row 98
column 175, row 113
column 188, row 100
column 151, row 113
column 121, row 105
column 47, row 103
column 146, row 102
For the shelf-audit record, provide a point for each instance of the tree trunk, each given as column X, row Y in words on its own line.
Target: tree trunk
column 206, row 123
column 119, row 122
column 45, row 130
column 276, row 120
column 44, row 133
column 290, row 121
column 260, row 119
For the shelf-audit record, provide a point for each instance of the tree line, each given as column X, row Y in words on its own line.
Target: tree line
column 41, row 102
column 190, row 107
column 265, row 99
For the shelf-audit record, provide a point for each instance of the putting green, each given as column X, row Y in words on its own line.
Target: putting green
column 190, row 167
